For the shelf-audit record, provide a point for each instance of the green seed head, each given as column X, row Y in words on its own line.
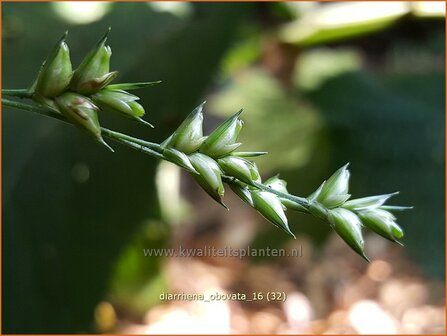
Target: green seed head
column 94, row 72
column 335, row 200
column 121, row 102
column 313, row 197
column 349, row 228
column 179, row 158
column 277, row 184
column 271, row 208
column 210, row 176
column 82, row 112
column 280, row 185
column 48, row 102
column 56, row 72
column 222, row 140
column 293, row 205
column 189, row 135
column 242, row 191
column 333, row 192
column 381, row 222
column 240, row 168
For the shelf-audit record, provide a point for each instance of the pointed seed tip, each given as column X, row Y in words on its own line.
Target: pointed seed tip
column 106, row 145
column 62, row 39
column 365, row 257
column 238, row 113
column 141, row 120
column 399, row 243
column 104, row 38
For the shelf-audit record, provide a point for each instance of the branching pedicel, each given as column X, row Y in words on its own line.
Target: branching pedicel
column 77, row 96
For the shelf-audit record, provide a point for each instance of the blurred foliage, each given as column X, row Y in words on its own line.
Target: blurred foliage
column 323, row 23
column 62, row 235
column 272, row 114
column 137, row 281
column 316, row 66
column 76, row 217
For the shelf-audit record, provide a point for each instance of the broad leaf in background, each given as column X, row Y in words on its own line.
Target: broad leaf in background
column 320, row 23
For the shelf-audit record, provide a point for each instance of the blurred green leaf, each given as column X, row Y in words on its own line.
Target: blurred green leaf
column 270, row 110
column 339, row 21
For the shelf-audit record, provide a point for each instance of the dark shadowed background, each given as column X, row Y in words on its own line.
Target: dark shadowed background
column 320, row 84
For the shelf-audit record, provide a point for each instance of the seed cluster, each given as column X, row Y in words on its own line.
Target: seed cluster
column 211, row 160
column 79, row 95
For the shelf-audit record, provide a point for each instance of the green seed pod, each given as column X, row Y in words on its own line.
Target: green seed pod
column 121, row 102
column 335, row 201
column 334, row 192
column 277, row 184
column 94, row 72
column 396, row 230
column 349, row 228
column 313, row 197
column 56, row 72
column 179, row 158
column 242, row 191
column 240, row 168
column 371, row 202
column 382, row 222
column 210, row 176
column 222, row 140
column 281, row 185
column 291, row 205
column 81, row 112
column 271, row 208
column 48, row 102
column 189, row 135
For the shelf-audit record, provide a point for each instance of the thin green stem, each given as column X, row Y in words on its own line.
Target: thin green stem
column 120, row 136
column 42, row 110
column 117, row 136
column 139, row 147
column 300, row 200
column 146, row 147
column 19, row 93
